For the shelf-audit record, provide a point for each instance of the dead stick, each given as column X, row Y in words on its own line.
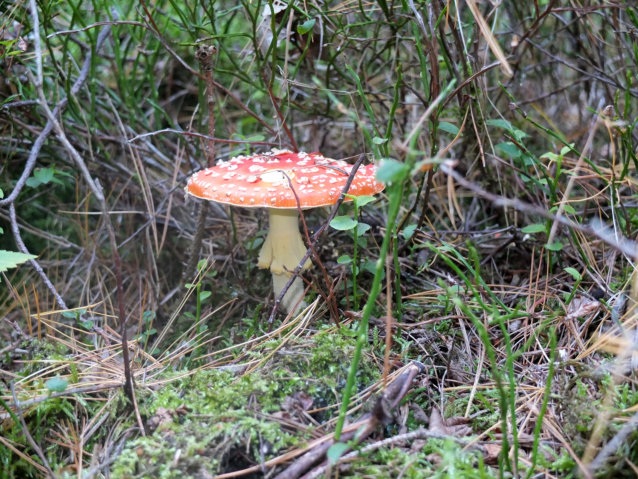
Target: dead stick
column 279, row 113
column 25, row 429
column 381, row 414
column 96, row 189
column 330, row 299
column 624, row 247
column 315, row 238
column 205, row 56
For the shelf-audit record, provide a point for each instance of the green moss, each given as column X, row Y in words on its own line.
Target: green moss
column 452, row 463
column 227, row 417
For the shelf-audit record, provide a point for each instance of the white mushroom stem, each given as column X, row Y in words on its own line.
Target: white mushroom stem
column 281, row 252
column 294, row 293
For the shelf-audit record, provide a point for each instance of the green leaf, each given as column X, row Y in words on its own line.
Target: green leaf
column 554, row 246
column 344, row 259
column 70, row 314
column 1, row 194
column 336, row 451
column 33, row 182
column 9, row 99
column 253, row 245
column 343, row 223
column 364, row 200
column 56, row 385
column 506, row 125
column 87, row 324
column 449, row 127
column 509, row 148
column 204, row 294
column 362, row 228
column 550, row 156
column 575, row 274
column 408, row 231
column 188, row 286
column 9, row 259
column 306, row 26
column 391, row 170
column 379, row 141
column 535, row 228
column 371, row 267
column 202, row 264
column 44, row 175
column 1, row 231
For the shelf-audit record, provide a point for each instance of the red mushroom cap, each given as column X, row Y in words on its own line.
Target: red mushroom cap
column 263, row 180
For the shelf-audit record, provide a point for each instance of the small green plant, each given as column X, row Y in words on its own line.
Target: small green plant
column 253, row 323
column 345, row 223
column 44, row 176
column 200, row 296
column 56, row 385
column 9, row 259
column 148, row 330
column 77, row 315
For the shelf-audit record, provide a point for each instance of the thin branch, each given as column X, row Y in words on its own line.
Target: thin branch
column 410, row 436
column 25, row 429
column 96, row 189
column 626, row 248
column 572, row 179
column 315, row 238
column 97, row 24
column 613, row 445
column 202, row 77
column 280, row 114
column 23, row 249
column 330, row 299
column 39, row 142
column 199, row 135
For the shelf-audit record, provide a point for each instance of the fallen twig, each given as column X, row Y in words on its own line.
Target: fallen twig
column 381, row 414
column 410, row 436
column 613, row 445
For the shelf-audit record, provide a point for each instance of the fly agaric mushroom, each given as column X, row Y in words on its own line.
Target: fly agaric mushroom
column 264, row 181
